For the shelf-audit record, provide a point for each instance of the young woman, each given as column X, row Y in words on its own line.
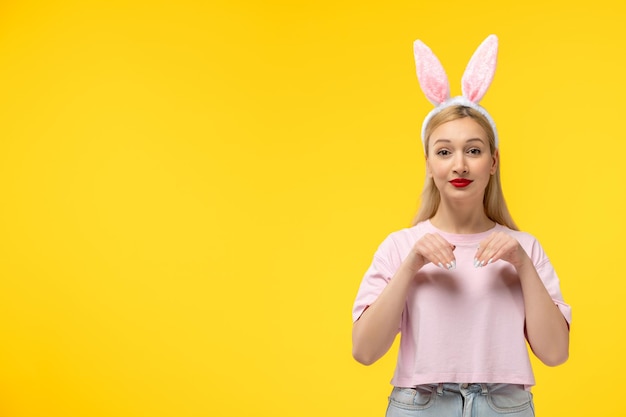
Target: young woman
column 463, row 286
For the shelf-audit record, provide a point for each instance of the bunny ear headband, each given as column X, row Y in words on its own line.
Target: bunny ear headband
column 474, row 84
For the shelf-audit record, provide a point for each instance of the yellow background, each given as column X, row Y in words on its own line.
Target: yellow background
column 191, row 191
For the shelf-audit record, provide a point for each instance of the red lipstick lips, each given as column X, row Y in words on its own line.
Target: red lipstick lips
column 460, row 182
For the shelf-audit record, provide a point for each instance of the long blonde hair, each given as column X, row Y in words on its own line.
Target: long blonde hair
column 493, row 201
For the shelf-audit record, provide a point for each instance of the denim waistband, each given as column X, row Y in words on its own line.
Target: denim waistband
column 466, row 388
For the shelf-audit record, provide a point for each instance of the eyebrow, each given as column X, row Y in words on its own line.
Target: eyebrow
column 449, row 141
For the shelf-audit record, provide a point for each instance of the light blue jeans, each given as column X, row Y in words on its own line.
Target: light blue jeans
column 461, row 400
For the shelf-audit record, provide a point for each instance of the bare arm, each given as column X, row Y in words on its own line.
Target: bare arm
column 546, row 328
column 374, row 332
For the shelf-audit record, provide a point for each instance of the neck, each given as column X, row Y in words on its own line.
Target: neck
column 461, row 220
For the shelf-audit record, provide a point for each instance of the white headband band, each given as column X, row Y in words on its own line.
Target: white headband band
column 474, row 84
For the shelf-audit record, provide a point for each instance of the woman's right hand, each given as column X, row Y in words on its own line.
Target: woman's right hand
column 431, row 248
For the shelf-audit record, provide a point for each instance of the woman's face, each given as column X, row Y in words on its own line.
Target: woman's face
column 459, row 160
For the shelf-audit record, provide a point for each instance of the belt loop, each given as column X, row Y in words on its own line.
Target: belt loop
column 483, row 389
column 440, row 389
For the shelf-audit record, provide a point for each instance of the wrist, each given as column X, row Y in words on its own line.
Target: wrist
column 413, row 263
column 525, row 264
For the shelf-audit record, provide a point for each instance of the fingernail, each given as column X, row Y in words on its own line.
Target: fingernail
column 476, row 262
column 439, row 265
column 482, row 263
column 448, row 265
column 454, row 264
column 489, row 261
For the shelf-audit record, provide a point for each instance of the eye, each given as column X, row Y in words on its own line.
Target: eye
column 443, row 152
column 474, row 151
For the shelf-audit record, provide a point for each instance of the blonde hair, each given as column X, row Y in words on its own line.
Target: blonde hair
column 493, row 201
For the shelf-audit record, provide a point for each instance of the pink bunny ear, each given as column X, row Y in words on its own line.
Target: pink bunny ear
column 480, row 70
column 432, row 78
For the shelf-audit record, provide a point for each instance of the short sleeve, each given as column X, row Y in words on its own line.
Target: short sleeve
column 376, row 278
column 550, row 279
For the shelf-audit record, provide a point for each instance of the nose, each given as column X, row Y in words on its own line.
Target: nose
column 459, row 166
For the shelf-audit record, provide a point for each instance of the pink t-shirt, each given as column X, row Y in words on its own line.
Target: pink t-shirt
column 464, row 325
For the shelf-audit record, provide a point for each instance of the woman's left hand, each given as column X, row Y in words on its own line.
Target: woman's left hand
column 500, row 246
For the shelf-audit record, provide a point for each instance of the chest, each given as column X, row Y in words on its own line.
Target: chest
column 497, row 282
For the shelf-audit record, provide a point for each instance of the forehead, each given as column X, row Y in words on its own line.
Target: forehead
column 459, row 130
